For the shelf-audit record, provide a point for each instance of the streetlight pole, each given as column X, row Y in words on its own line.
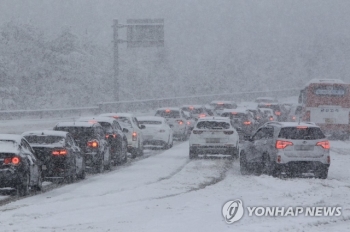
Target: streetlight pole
column 116, row 60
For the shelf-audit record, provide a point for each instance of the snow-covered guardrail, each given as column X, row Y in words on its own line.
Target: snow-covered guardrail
column 144, row 104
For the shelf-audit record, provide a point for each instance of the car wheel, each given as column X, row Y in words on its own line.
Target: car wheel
column 23, row 186
column 140, row 150
column 322, row 173
column 100, row 167
column 266, row 165
column 108, row 165
column 133, row 153
column 39, row 185
column 243, row 164
column 193, row 154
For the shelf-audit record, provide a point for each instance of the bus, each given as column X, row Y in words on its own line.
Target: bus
column 326, row 102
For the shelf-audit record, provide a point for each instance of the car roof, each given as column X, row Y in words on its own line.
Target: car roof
column 46, row 132
column 238, row 110
column 326, row 81
column 214, row 119
column 150, row 118
column 169, row 108
column 13, row 137
column 127, row 115
column 97, row 119
column 76, row 124
column 8, row 148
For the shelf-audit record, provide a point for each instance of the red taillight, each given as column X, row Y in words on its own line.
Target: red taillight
column 307, row 116
column 228, row 132
column 280, row 144
column 197, row 132
column 324, row 144
column 294, row 118
column 134, row 136
column 277, row 113
column 180, row 122
column 271, row 118
column 278, row 159
column 247, row 122
column 59, row 152
column 93, row 144
column 201, row 116
column 328, row 159
column 301, row 127
column 12, row 160
column 188, row 123
column 234, row 113
column 114, row 136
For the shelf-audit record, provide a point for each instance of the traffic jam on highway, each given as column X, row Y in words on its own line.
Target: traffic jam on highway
column 266, row 136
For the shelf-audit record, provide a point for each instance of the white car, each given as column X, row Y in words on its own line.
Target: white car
column 134, row 132
column 157, row 132
column 214, row 135
column 176, row 119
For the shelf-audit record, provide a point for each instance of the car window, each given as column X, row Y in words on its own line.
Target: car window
column 302, row 133
column 107, row 127
column 213, row 125
column 69, row 141
column 44, row 139
column 168, row 113
column 116, row 125
column 150, row 122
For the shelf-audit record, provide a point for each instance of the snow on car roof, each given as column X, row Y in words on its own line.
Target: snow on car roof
column 13, row 137
column 97, row 119
column 75, row 124
column 327, row 81
column 169, row 108
column 150, row 118
column 238, row 110
column 214, row 119
column 45, row 132
column 295, row 124
column 126, row 115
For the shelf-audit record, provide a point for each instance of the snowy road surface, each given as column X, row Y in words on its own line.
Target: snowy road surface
column 165, row 191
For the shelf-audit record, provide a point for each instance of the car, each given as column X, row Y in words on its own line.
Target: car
column 209, row 109
column 242, row 120
column 276, row 109
column 90, row 137
column 177, row 120
column 60, row 156
column 157, row 132
column 288, row 148
column 215, row 136
column 19, row 167
column 114, row 135
column 133, row 133
column 196, row 111
column 219, row 106
column 267, row 115
column 265, row 100
column 294, row 113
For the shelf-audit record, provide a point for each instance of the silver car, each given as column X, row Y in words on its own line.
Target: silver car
column 288, row 148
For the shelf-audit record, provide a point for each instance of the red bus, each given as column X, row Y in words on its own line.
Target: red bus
column 327, row 103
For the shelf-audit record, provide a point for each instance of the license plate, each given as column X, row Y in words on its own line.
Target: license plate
column 304, row 147
column 329, row 120
column 213, row 140
column 44, row 167
column 148, row 137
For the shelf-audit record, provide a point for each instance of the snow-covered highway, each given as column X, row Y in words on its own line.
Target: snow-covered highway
column 168, row 192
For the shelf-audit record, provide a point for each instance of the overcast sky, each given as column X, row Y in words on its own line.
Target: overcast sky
column 193, row 28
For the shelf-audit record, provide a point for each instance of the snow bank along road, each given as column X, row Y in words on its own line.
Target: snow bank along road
column 168, row 192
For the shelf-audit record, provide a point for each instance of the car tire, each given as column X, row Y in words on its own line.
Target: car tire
column 23, row 186
column 140, row 150
column 266, row 165
column 100, row 167
column 322, row 173
column 133, row 153
column 243, row 164
column 39, row 184
column 108, row 165
column 193, row 154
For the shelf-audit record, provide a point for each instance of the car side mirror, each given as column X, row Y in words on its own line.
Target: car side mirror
column 125, row 130
column 142, row 126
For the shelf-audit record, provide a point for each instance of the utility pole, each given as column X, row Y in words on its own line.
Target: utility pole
column 116, row 60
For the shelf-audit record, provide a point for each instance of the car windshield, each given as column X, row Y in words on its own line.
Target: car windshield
column 44, row 139
column 150, row 122
column 8, row 143
column 302, row 133
column 213, row 125
column 194, row 110
column 168, row 113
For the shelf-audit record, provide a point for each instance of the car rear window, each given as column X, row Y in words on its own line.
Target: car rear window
column 234, row 115
column 193, row 110
column 309, row 133
column 78, row 132
column 107, row 127
column 44, row 139
column 168, row 113
column 150, row 122
column 213, row 125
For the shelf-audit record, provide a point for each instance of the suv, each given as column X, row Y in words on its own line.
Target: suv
column 133, row 131
column 90, row 137
column 177, row 120
column 289, row 148
column 114, row 135
column 214, row 135
column 19, row 167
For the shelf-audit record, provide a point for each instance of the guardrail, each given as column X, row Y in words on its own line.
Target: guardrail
column 142, row 105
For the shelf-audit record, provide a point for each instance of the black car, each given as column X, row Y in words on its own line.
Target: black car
column 61, row 158
column 114, row 135
column 19, row 167
column 90, row 137
column 242, row 120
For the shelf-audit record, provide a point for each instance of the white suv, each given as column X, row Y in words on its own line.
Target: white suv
column 133, row 131
column 214, row 135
